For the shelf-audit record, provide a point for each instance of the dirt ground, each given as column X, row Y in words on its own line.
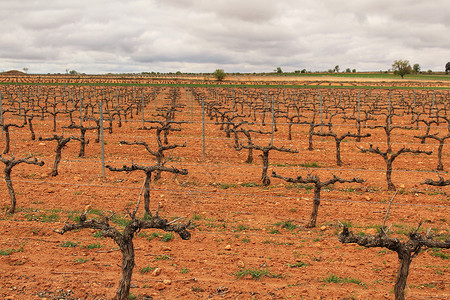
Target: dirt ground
column 248, row 241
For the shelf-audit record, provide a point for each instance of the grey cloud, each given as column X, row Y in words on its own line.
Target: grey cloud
column 201, row 35
column 249, row 11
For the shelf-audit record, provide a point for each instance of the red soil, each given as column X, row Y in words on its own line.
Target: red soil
column 237, row 226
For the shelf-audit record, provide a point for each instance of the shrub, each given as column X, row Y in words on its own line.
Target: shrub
column 219, row 74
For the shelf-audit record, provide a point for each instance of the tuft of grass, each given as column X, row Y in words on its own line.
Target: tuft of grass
column 163, row 257
column 256, row 273
column 197, row 217
column 147, row 269
column 69, row 244
column 427, row 285
column 47, row 218
column 249, row 184
column 332, row 279
column 241, row 227
column 225, row 186
column 167, row 237
column 310, row 165
column 246, row 240
column 151, row 236
column 283, row 165
column 184, row 270
column 287, row 225
column 299, row 186
column 437, row 252
column 95, row 211
column 74, row 216
column 336, row 279
column 98, row 234
column 81, row 260
column 347, row 223
column 120, row 220
column 10, row 251
column 197, row 289
column 298, row 264
column 93, row 246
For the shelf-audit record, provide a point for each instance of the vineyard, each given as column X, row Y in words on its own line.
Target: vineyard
column 245, row 189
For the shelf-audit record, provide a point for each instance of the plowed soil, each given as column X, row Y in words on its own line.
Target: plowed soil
column 248, row 241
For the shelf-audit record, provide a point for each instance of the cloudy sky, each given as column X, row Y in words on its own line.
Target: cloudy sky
column 101, row 36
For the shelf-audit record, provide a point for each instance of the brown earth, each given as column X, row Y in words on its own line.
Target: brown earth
column 238, row 225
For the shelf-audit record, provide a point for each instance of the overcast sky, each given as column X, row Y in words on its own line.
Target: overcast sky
column 101, row 36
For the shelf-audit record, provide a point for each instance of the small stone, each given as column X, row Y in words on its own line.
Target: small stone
column 41, row 144
column 167, row 281
column 228, row 247
column 160, row 286
column 165, row 248
column 367, row 197
column 241, row 264
column 402, row 186
column 323, row 228
column 156, row 272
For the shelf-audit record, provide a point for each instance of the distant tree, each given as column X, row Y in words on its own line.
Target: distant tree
column 219, row 74
column 447, row 67
column 416, row 68
column 25, row 70
column 279, row 70
column 347, row 70
column 73, row 72
column 354, row 71
column 303, row 71
column 336, row 68
column 401, row 67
